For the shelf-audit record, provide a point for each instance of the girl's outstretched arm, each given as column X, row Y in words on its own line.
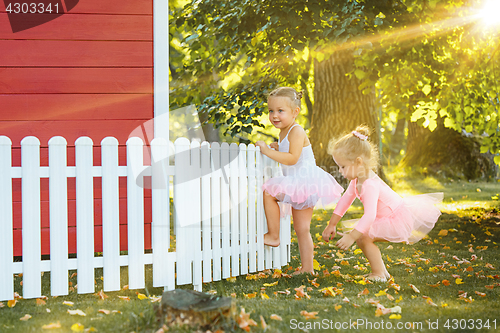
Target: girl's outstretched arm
column 331, row 228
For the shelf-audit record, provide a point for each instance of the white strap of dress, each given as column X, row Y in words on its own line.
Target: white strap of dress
column 286, row 136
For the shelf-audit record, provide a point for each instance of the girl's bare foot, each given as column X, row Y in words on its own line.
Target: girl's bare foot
column 377, row 278
column 271, row 241
column 300, row 270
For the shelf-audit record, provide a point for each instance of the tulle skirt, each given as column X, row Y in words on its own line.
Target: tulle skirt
column 410, row 222
column 308, row 188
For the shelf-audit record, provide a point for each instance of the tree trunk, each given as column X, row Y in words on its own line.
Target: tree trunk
column 446, row 152
column 339, row 106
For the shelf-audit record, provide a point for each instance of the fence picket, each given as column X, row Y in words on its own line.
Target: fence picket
column 182, row 206
column 135, row 208
column 58, row 207
column 243, row 208
column 84, row 215
column 261, row 221
column 195, row 227
column 163, row 265
column 110, row 214
column 205, row 212
column 30, row 164
column 225, row 209
column 252, row 209
column 234, row 206
column 268, row 251
column 216, row 210
column 6, row 224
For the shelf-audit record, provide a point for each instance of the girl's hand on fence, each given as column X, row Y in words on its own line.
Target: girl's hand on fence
column 275, row 146
column 329, row 232
column 346, row 241
column 262, row 145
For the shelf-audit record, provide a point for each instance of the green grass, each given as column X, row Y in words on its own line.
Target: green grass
column 471, row 218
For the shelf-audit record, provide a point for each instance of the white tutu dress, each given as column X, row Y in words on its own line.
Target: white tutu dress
column 304, row 184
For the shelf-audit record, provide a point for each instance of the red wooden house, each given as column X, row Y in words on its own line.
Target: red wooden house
column 88, row 71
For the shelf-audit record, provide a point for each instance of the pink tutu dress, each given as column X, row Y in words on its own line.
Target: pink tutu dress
column 304, row 184
column 387, row 215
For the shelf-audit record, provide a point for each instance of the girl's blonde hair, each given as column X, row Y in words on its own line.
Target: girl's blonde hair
column 294, row 95
column 356, row 144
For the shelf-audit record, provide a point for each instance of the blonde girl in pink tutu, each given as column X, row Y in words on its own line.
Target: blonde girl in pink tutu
column 303, row 184
column 387, row 216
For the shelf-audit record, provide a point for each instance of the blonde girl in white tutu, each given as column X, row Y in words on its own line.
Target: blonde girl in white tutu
column 303, row 184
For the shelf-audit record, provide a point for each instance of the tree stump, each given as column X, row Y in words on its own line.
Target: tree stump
column 195, row 309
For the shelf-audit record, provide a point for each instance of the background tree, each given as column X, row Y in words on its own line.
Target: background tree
column 235, row 52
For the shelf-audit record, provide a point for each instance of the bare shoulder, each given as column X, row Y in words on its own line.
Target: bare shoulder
column 296, row 132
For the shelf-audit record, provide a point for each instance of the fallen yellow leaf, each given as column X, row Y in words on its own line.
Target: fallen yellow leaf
column 51, row 326
column 443, row 232
column 459, row 281
column 68, row 303
column 107, row 312
column 316, row 265
column 309, row 315
column 338, row 307
column 141, row 296
column 263, row 323
column 415, row 289
column 231, row 279
column 101, row 295
column 271, row 284
column 276, row 317
column 26, row 317
column 251, row 295
column 77, row 327
column 395, row 316
column 77, row 312
column 12, row 303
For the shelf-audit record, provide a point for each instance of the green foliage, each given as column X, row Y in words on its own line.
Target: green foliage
column 431, row 61
column 232, row 54
column 444, row 68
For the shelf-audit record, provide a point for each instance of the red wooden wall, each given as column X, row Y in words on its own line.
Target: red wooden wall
column 88, row 72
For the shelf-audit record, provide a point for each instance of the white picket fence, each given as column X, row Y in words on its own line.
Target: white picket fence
column 218, row 210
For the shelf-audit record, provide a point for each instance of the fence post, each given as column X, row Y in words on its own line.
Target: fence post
column 135, row 218
column 6, row 224
column 110, row 214
column 84, row 214
column 58, row 206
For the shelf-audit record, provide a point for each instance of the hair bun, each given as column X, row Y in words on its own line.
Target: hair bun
column 363, row 130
